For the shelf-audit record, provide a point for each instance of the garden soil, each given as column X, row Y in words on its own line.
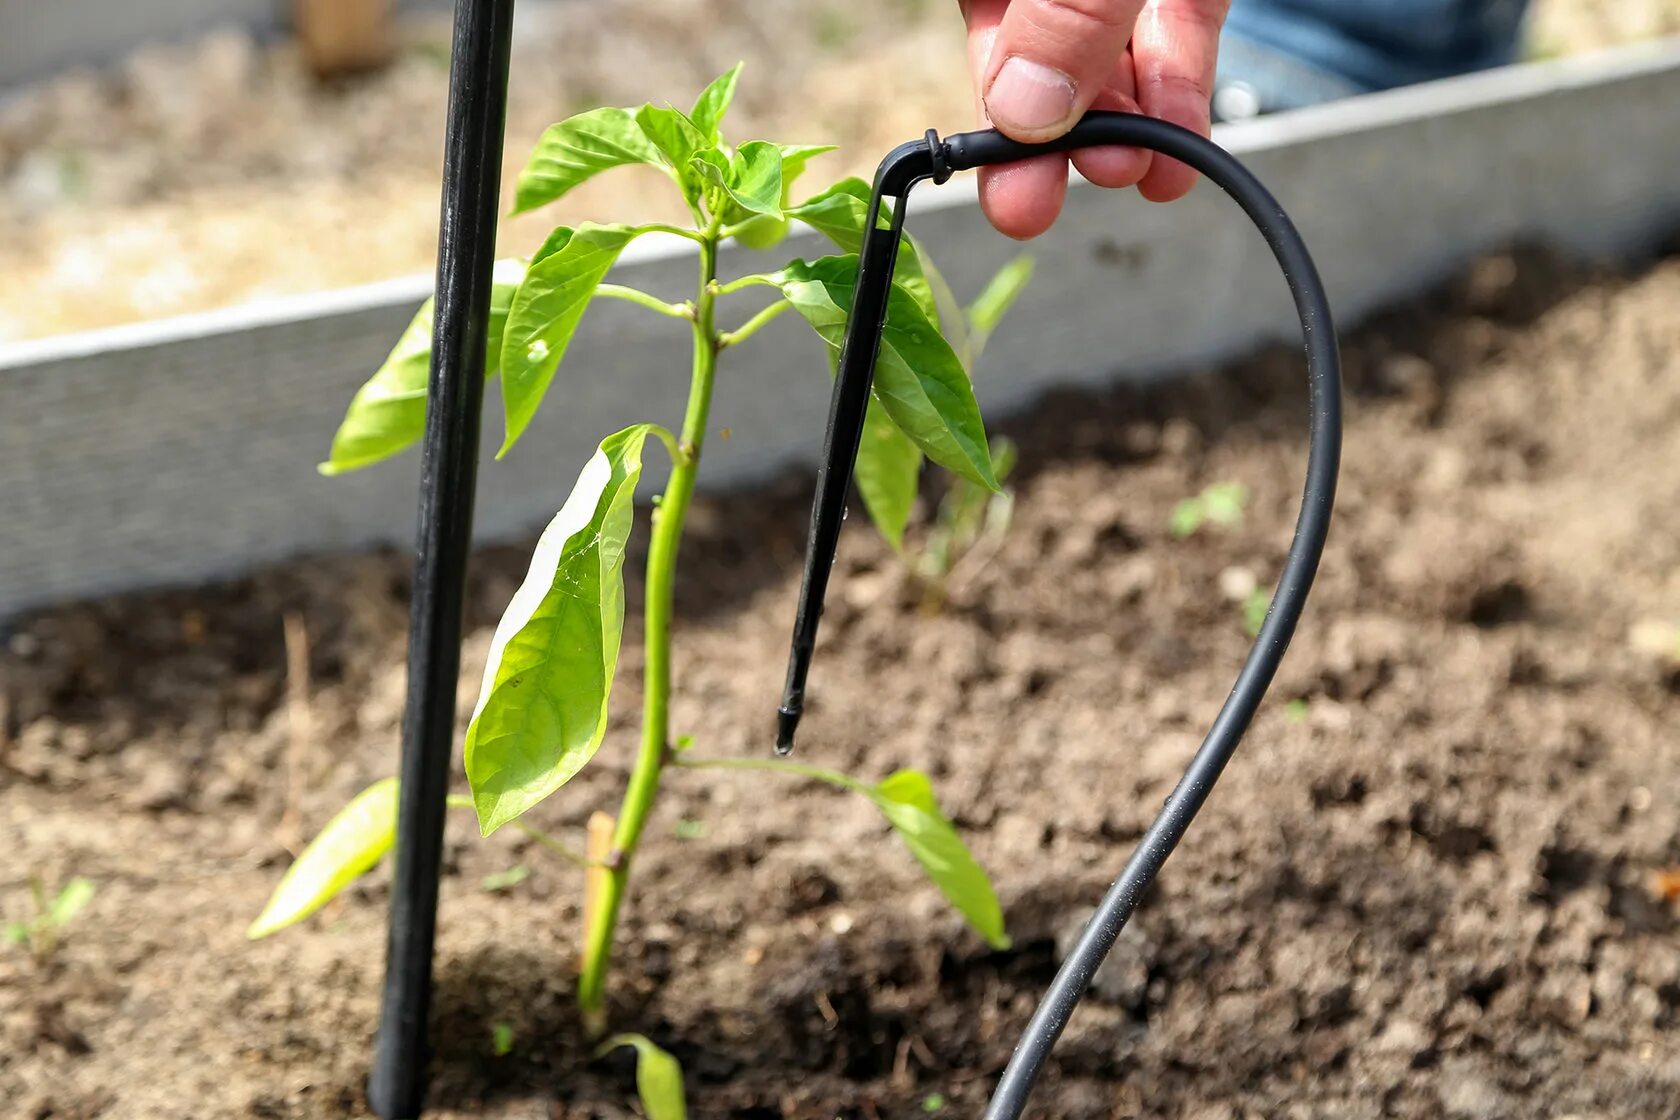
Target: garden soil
column 1438, row 881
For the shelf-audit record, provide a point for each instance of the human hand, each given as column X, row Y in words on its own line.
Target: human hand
column 1039, row 64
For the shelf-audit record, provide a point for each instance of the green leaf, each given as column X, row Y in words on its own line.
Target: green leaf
column 1187, row 516
column 766, row 231
column 839, row 214
column 580, row 148
column 1255, row 608
column 918, row 379
column 543, row 707
column 77, row 893
column 1223, row 503
column 501, row 1039
column 678, row 139
column 545, row 311
column 504, row 880
column 751, row 179
column 388, row 413
column 659, row 1079
column 15, row 933
column 794, row 159
column 713, row 103
column 353, row 841
column 906, row 797
column 995, row 300
column 888, row 474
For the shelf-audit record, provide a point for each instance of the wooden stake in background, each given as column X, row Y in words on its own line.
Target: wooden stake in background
column 344, row 36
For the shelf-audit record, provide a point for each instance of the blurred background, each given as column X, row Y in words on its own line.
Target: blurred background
column 149, row 171
column 1442, row 878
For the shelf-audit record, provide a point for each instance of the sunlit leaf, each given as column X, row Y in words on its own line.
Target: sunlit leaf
column 77, row 893
column 906, row 797
column 713, row 103
column 794, row 159
column 388, row 413
column 995, row 300
column 543, row 707
column 579, row 148
column 751, row 179
column 766, row 230
column 346, row 849
column 888, row 473
column 918, row 379
column 545, row 311
column 659, row 1079
column 678, row 139
column 839, row 214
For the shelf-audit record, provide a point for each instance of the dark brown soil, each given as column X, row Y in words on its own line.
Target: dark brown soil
column 1432, row 890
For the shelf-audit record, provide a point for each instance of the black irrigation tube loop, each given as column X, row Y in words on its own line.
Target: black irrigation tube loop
column 930, row 158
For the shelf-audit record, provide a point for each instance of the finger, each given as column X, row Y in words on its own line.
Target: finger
column 1023, row 199
column 1020, row 199
column 1050, row 60
column 1112, row 165
column 1176, row 49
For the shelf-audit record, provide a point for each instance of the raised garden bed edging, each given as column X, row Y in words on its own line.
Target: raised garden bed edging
column 184, row 449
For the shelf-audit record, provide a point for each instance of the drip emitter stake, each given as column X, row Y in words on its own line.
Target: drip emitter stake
column 931, row 158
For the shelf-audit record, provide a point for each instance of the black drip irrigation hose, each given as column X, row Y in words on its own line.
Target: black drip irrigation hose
column 931, row 158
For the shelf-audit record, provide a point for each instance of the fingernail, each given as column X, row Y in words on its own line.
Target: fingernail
column 1029, row 97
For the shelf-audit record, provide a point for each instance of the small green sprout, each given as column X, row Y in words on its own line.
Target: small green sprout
column 1296, row 710
column 505, row 880
column 1219, row 504
column 501, row 1039
column 659, row 1079
column 1254, row 611
column 43, row 931
column 687, row 829
column 933, row 1102
column 972, row 519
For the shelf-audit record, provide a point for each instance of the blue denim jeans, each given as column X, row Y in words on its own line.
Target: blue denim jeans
column 1286, row 53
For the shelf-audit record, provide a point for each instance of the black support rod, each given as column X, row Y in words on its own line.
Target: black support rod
column 448, row 474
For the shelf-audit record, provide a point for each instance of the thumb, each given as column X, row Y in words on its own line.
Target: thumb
column 1050, row 61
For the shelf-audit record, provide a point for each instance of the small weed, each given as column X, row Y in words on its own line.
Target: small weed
column 1220, row 504
column 503, row 880
column 43, row 931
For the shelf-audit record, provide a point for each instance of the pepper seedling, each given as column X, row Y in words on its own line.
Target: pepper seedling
column 42, row 931
column 541, row 715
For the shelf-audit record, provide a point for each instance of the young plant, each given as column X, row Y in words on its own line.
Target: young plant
column 542, row 712
column 42, row 931
column 972, row 520
column 1219, row 504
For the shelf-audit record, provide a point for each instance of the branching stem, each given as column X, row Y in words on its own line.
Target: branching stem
column 643, row 299
column 656, row 679
column 752, row 326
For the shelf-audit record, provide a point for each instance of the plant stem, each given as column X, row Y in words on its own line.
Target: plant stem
column 641, row 298
column 780, row 765
column 752, row 326
column 656, row 679
column 558, row 847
